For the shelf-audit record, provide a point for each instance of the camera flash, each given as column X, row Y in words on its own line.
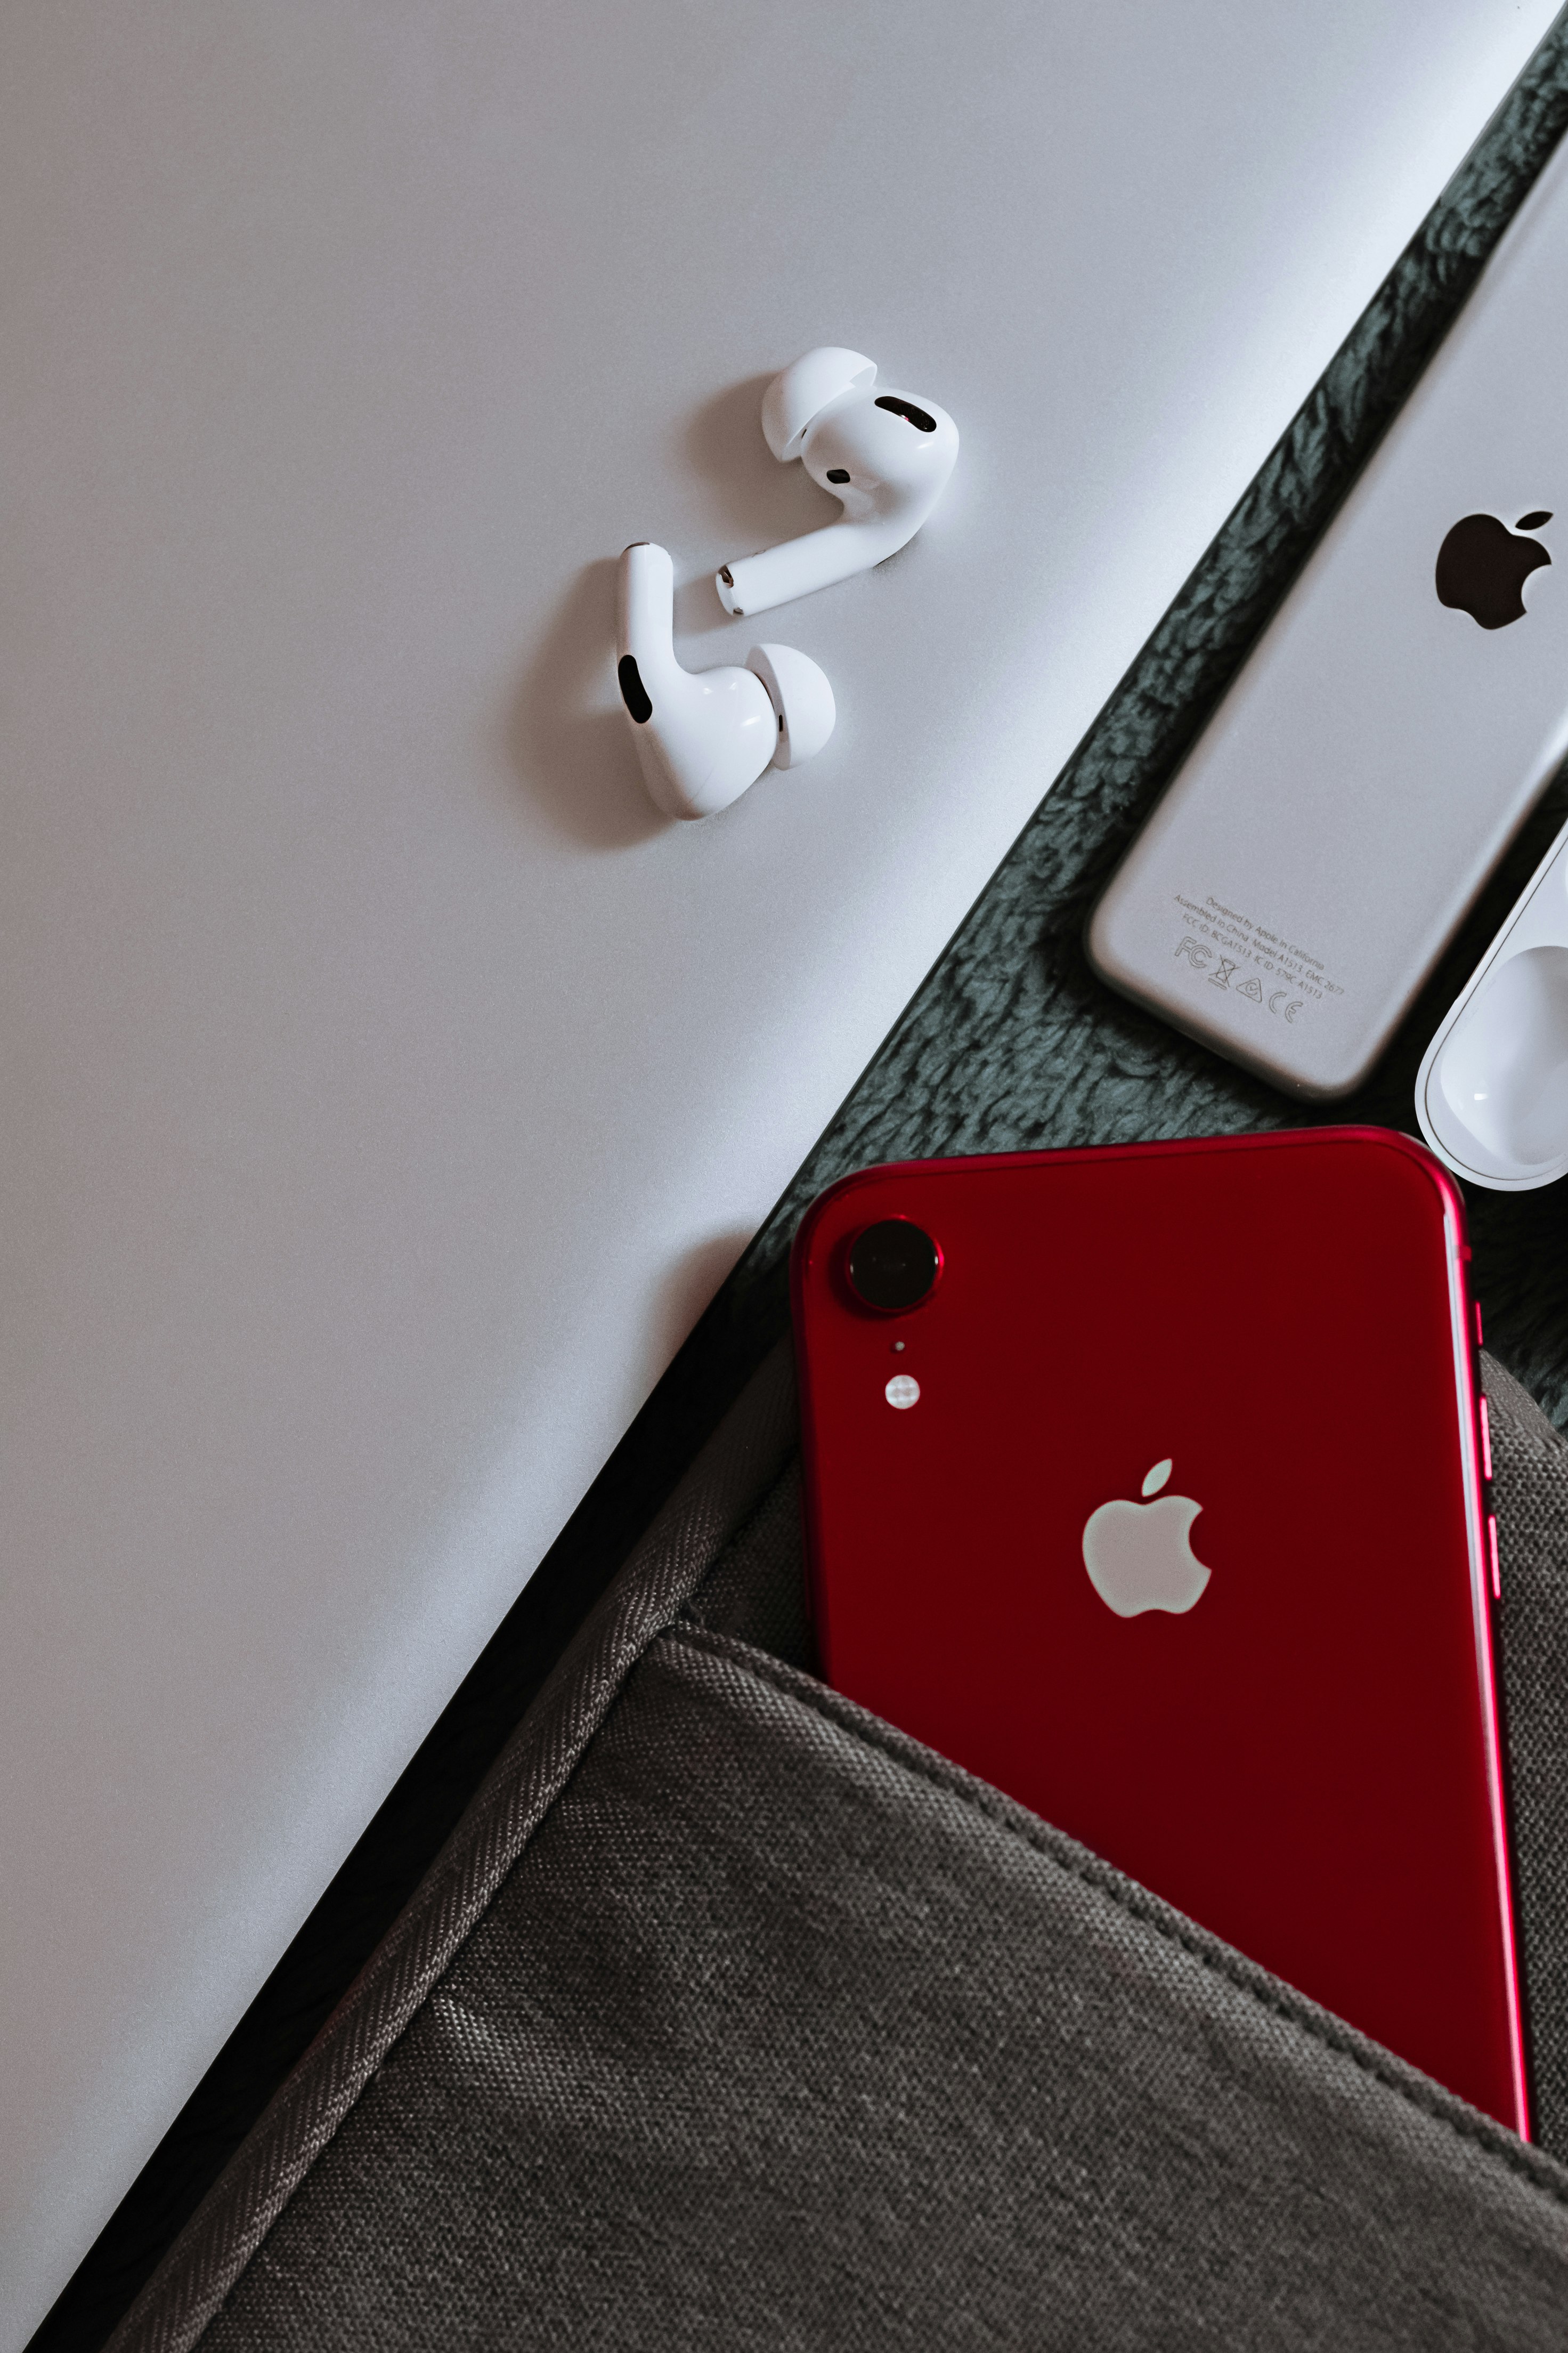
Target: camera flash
column 902, row 1391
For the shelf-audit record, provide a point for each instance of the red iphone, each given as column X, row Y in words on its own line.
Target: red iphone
column 1147, row 1483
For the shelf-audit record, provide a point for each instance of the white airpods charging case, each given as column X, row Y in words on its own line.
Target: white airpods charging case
column 1492, row 1091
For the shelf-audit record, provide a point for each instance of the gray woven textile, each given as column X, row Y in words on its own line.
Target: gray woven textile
column 1531, row 1464
column 775, row 2030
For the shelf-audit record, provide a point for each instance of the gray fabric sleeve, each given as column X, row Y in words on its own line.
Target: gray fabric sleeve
column 756, row 1590
column 1530, row 1460
column 732, row 2016
column 783, row 2032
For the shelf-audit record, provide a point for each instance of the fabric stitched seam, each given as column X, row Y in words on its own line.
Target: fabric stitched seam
column 690, row 1610
column 1093, row 1873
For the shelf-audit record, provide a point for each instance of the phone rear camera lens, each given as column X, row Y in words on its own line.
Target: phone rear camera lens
column 893, row 1266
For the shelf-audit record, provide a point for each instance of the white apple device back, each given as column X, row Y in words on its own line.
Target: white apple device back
column 1492, row 1091
column 1334, row 822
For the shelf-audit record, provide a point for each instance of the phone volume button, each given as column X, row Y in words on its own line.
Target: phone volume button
column 1486, row 1443
column 1492, row 1553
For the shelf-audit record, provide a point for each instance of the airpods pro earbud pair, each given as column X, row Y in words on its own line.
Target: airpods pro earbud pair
column 703, row 736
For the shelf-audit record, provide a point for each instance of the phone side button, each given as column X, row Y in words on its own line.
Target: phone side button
column 1486, row 1443
column 1492, row 1548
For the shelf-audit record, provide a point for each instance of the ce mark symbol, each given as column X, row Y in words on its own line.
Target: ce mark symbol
column 1290, row 1010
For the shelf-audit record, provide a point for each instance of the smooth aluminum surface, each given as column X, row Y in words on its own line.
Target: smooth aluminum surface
column 1333, row 824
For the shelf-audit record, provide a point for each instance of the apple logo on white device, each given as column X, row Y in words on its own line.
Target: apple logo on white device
column 1138, row 1555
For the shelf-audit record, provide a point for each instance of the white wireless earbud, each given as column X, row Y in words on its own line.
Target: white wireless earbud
column 704, row 735
column 886, row 455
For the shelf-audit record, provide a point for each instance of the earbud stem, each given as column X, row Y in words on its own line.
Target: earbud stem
column 702, row 736
column 755, row 583
column 644, row 614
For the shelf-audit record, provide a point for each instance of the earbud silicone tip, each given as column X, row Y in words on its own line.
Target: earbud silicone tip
column 799, row 393
column 802, row 697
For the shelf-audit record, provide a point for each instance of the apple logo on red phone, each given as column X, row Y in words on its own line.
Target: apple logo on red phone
column 1482, row 566
column 1137, row 1555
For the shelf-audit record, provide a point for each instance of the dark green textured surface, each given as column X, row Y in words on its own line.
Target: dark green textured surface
column 1011, row 1044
